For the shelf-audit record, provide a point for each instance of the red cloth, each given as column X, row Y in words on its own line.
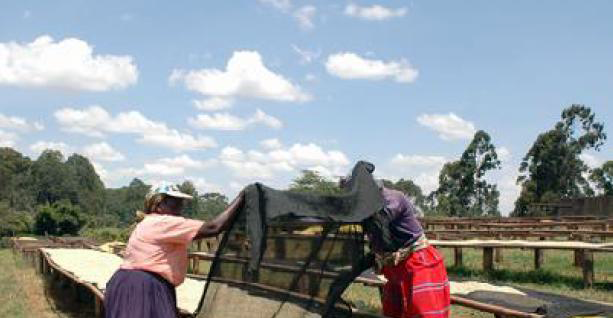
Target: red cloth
column 417, row 287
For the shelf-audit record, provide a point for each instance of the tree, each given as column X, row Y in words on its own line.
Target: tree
column 210, row 205
column 59, row 218
column 13, row 222
column 191, row 208
column 603, row 178
column 15, row 181
column 88, row 186
column 552, row 168
column 410, row 189
column 52, row 179
column 463, row 190
column 313, row 182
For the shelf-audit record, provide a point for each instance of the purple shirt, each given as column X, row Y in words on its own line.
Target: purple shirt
column 403, row 225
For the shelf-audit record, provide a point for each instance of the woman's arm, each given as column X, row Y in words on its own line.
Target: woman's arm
column 222, row 221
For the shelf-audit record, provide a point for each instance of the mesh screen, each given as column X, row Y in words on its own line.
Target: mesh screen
column 301, row 261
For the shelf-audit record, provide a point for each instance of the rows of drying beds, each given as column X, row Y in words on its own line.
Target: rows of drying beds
column 91, row 269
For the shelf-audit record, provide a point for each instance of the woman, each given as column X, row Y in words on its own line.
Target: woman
column 156, row 256
column 417, row 284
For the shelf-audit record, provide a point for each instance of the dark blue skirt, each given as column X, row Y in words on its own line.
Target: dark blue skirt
column 139, row 294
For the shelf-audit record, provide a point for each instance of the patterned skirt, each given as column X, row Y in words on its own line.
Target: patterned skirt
column 139, row 294
column 417, row 287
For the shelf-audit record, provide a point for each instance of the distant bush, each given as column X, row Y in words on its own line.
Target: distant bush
column 60, row 218
column 107, row 234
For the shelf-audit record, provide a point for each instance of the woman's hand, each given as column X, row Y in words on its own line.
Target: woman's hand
column 222, row 221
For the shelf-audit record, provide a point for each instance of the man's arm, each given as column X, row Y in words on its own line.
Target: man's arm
column 222, row 221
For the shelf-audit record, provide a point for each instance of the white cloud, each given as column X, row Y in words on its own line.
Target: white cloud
column 503, row 153
column 245, row 76
column 41, row 146
column 349, row 65
column 449, row 126
column 306, row 56
column 282, row 5
column 18, row 123
column 591, row 161
column 7, row 139
column 422, row 169
column 175, row 166
column 204, row 186
column 225, row 121
column 102, row 151
column 374, row 12
column 213, row 104
column 304, row 16
column 271, row 144
column 67, row 64
column 97, row 122
column 266, row 165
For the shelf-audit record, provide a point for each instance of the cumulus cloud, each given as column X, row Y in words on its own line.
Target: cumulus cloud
column 271, row 144
column 304, row 16
column 349, row 65
column 175, row 166
column 97, row 122
column 590, row 160
column 7, row 139
column 213, row 104
column 448, row 126
column 40, row 146
column 266, row 165
column 374, row 13
column 20, row 124
column 102, row 151
column 245, row 76
column 225, row 121
column 422, row 169
column 67, row 64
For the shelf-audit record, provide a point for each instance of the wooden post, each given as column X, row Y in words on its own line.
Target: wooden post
column 538, row 258
column 579, row 252
column 499, row 250
column 588, row 268
column 457, row 253
column 488, row 259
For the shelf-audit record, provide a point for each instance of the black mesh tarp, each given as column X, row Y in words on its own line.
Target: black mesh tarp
column 292, row 254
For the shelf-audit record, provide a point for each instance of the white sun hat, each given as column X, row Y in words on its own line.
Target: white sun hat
column 168, row 189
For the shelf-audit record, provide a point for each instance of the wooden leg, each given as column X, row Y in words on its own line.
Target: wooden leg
column 498, row 252
column 457, row 253
column 538, row 258
column 588, row 268
column 488, row 259
column 578, row 257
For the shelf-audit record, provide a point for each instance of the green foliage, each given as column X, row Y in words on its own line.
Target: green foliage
column 107, row 234
column 603, row 178
column 463, row 190
column 210, row 205
column 410, row 189
column 59, row 218
column 312, row 182
column 552, row 168
column 13, row 222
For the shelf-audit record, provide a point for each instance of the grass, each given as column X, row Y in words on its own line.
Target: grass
column 24, row 293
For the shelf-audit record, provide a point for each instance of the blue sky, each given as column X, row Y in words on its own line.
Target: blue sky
column 227, row 93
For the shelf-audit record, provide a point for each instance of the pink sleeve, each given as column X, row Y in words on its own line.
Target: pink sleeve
column 178, row 230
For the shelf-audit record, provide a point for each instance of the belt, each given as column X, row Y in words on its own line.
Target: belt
column 394, row 258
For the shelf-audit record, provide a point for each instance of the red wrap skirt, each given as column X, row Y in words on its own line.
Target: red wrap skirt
column 417, row 287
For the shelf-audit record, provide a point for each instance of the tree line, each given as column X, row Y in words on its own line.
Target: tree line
column 57, row 196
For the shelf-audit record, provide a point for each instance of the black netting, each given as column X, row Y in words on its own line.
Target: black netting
column 292, row 255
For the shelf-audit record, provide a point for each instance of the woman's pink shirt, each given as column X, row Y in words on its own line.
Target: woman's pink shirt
column 159, row 244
